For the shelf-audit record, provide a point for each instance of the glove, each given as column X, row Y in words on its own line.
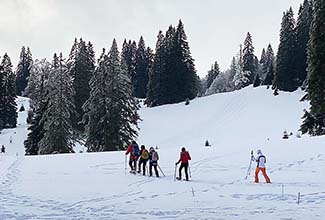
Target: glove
column 176, row 164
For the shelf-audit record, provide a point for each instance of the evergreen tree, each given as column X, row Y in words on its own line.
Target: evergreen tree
column 10, row 106
column 233, row 67
column 23, row 70
column 188, row 83
column 39, row 100
column 111, row 111
column 155, row 85
column 268, row 69
column 173, row 78
column 222, row 83
column 257, row 81
column 302, row 31
column 81, row 64
column 142, row 62
column 286, row 78
column 212, row 74
column 128, row 55
column 314, row 119
column 38, row 77
column 36, row 129
column 58, row 136
column 170, row 77
column 263, row 57
column 249, row 60
column 2, row 97
column 241, row 78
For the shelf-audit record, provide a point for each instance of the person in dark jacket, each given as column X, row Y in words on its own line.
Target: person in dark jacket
column 184, row 158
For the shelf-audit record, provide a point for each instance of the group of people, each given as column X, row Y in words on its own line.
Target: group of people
column 143, row 155
column 140, row 157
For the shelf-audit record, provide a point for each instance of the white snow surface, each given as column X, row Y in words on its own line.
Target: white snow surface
column 97, row 186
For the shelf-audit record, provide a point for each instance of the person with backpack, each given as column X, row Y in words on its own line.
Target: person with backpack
column 153, row 161
column 261, row 161
column 133, row 149
column 144, row 156
column 184, row 158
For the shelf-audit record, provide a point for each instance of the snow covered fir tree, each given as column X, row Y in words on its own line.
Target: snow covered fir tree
column 37, row 91
column 23, row 70
column 173, row 76
column 314, row 119
column 111, row 112
column 268, row 68
column 8, row 105
column 81, row 65
column 250, row 62
column 58, row 135
column 286, row 77
column 302, row 29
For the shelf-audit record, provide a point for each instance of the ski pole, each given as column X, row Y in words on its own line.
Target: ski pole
column 161, row 170
column 189, row 170
column 249, row 167
column 248, row 170
column 175, row 172
column 125, row 164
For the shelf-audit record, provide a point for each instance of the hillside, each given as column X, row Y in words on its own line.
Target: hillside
column 97, row 186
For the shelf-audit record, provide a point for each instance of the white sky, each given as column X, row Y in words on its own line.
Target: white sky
column 214, row 28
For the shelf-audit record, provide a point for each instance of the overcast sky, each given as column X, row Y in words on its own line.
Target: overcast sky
column 214, row 28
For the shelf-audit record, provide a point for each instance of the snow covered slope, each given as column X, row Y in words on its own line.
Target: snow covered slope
column 97, row 186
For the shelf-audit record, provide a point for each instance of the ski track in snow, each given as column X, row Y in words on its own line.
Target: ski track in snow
column 220, row 197
column 95, row 208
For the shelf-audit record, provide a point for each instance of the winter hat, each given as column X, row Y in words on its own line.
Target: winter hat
column 151, row 149
column 142, row 146
column 183, row 148
column 259, row 151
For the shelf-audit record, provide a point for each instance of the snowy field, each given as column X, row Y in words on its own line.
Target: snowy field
column 97, row 186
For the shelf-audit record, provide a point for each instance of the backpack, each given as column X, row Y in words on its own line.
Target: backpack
column 258, row 160
column 154, row 156
column 145, row 154
column 135, row 150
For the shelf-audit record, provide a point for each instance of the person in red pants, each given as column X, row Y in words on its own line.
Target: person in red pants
column 261, row 161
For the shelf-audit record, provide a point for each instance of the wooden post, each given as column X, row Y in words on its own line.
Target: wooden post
column 298, row 202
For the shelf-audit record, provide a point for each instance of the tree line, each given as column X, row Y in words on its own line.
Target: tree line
column 80, row 100
column 96, row 102
column 299, row 63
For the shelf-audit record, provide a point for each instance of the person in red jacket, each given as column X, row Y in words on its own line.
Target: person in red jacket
column 184, row 158
column 133, row 149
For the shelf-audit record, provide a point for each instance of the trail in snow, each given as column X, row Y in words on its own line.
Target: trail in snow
column 95, row 186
